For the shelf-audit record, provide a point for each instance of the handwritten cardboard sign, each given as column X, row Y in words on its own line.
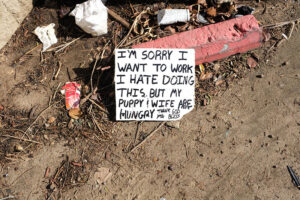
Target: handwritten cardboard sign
column 154, row 84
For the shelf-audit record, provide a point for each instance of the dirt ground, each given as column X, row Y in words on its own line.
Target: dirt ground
column 236, row 144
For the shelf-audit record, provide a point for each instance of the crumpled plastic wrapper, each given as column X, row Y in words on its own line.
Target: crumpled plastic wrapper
column 91, row 16
column 46, row 35
column 172, row 16
column 72, row 93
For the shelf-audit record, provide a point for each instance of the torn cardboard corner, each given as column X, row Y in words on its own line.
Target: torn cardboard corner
column 46, row 35
column 215, row 41
column 91, row 16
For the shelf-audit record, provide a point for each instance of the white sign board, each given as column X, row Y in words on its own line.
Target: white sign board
column 154, row 84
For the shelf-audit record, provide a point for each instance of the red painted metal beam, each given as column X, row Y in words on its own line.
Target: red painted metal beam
column 214, row 41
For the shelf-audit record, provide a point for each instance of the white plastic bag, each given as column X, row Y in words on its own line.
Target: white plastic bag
column 172, row 16
column 91, row 16
column 46, row 34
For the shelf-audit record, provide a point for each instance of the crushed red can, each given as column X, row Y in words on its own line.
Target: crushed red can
column 72, row 93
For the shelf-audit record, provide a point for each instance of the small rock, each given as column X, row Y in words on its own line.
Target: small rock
column 170, row 29
column 206, row 76
column 260, row 76
column 19, row 148
column 285, row 63
column 217, row 67
column 173, row 124
column 251, row 62
column 51, row 120
column 297, row 101
column 267, row 36
column 219, row 82
column 46, row 137
column 211, row 11
column 75, row 113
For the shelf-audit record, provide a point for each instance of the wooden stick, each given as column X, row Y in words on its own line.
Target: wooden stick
column 63, row 46
column 97, row 125
column 58, row 70
column 137, row 134
column 148, row 136
column 25, row 140
column 118, row 18
column 280, row 24
column 8, row 197
column 102, row 109
column 291, row 30
column 130, row 30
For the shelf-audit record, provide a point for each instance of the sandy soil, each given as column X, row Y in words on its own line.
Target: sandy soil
column 237, row 147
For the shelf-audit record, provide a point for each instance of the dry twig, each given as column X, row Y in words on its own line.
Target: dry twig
column 291, row 30
column 17, row 138
column 137, row 133
column 269, row 26
column 130, row 30
column 58, row 70
column 118, row 18
column 102, row 109
column 8, row 197
column 97, row 125
column 94, row 67
column 148, row 136
column 63, row 46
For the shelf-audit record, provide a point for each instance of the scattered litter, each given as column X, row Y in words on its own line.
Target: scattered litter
column 201, row 19
column 173, row 124
column 251, row 62
column 1, row 107
column 172, row 16
column 202, row 68
column 72, row 93
column 46, row 35
column 294, row 177
column 102, row 175
column 245, row 10
column 91, row 16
